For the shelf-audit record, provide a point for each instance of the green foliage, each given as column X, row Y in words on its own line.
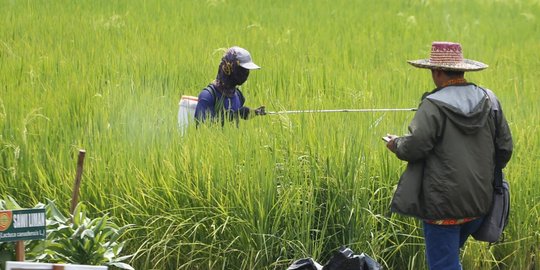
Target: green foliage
column 76, row 239
column 82, row 240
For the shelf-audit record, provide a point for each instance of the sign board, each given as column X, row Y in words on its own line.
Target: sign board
column 49, row 266
column 24, row 224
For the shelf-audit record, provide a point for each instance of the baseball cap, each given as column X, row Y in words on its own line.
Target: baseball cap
column 243, row 56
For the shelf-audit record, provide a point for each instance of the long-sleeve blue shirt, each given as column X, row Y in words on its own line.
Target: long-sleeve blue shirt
column 232, row 107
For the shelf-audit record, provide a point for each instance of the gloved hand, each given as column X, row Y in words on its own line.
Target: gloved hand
column 260, row 111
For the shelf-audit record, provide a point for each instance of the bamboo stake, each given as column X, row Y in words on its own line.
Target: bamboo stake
column 77, row 184
column 19, row 251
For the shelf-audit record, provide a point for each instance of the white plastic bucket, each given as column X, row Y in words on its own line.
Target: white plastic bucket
column 12, row 265
column 186, row 112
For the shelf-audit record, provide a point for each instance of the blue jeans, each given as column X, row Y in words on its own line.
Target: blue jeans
column 444, row 241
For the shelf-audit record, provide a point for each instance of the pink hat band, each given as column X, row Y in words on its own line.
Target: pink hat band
column 448, row 56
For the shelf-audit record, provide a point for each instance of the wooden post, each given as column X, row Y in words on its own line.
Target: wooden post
column 77, row 184
column 57, row 267
column 19, row 251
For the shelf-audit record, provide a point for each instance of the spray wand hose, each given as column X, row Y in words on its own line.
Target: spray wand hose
column 341, row 110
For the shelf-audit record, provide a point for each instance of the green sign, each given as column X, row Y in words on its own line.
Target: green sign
column 24, row 224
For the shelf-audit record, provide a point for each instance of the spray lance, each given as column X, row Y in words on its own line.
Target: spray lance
column 386, row 138
column 340, row 110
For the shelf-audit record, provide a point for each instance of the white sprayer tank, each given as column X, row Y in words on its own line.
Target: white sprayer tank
column 186, row 112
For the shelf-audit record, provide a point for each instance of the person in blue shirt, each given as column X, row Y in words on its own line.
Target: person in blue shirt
column 221, row 100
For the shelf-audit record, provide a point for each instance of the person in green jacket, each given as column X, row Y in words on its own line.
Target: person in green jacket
column 457, row 137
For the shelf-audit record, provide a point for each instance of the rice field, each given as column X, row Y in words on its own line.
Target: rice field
column 106, row 76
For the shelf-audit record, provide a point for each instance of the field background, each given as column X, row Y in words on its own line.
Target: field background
column 106, row 76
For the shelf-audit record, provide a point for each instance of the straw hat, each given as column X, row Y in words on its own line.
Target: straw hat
column 448, row 56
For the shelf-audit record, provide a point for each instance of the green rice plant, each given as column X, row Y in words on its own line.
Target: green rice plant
column 106, row 76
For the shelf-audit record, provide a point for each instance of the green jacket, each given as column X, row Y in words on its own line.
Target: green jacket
column 451, row 154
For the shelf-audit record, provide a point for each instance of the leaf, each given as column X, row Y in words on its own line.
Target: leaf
column 87, row 232
column 122, row 265
column 79, row 214
column 59, row 249
column 78, row 232
column 123, row 258
column 117, row 248
column 40, row 205
column 62, row 231
column 11, row 204
column 53, row 211
column 100, row 226
column 120, row 232
column 109, row 254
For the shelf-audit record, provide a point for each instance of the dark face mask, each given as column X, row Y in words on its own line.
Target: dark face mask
column 239, row 75
column 230, row 74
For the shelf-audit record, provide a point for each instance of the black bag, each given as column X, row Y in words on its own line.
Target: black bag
column 496, row 220
column 344, row 259
column 305, row 264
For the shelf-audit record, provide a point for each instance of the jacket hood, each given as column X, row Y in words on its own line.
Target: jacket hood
column 467, row 106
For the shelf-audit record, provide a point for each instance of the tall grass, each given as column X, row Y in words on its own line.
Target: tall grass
column 106, row 76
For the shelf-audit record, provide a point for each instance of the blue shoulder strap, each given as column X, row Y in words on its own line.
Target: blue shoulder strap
column 218, row 104
column 498, row 175
column 241, row 96
column 210, row 88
